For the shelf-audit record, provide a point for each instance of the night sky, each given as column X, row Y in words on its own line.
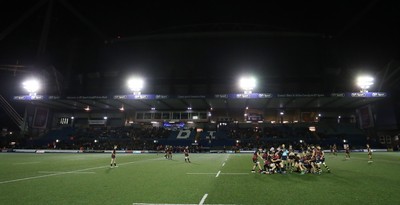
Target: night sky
column 287, row 44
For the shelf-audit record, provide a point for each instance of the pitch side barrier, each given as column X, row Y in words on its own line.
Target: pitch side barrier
column 326, row 151
column 42, row 151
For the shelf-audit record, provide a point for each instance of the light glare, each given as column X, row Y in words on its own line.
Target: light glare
column 247, row 83
column 365, row 82
column 32, row 85
column 135, row 84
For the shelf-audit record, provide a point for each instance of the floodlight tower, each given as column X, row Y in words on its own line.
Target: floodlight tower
column 32, row 86
column 135, row 84
column 365, row 82
column 247, row 84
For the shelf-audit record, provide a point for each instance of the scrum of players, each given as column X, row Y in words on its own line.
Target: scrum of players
column 282, row 160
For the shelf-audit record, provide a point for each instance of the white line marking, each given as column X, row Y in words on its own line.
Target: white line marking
column 62, row 173
column 174, row 204
column 193, row 173
column 159, row 204
column 219, row 172
column 73, row 172
column 200, row 173
column 203, row 199
column 223, row 164
column 23, row 163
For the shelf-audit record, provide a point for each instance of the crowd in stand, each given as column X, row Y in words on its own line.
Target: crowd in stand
column 147, row 137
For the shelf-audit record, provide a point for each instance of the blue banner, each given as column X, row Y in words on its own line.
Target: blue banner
column 244, row 96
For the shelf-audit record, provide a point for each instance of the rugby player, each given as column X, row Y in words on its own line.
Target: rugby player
column 347, row 150
column 186, row 153
column 321, row 159
column 284, row 156
column 113, row 157
column 277, row 160
column 256, row 155
column 269, row 166
column 298, row 164
column 369, row 150
column 291, row 158
column 334, row 149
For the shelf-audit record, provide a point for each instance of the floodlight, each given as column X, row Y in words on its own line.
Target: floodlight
column 32, row 86
column 247, row 84
column 365, row 82
column 135, row 85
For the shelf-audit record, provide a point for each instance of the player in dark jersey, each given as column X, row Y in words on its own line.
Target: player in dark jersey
column 369, row 150
column 168, row 152
column 113, row 157
column 186, row 153
column 321, row 159
column 305, row 159
column 269, row 166
column 278, row 162
column 334, row 149
column 256, row 155
column 347, row 150
column 298, row 164
column 313, row 160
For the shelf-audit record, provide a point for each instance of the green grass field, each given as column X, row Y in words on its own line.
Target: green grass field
column 209, row 179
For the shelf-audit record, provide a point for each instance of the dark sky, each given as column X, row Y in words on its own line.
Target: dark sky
column 292, row 46
column 161, row 40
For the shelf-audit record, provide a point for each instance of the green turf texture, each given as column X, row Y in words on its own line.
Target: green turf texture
column 149, row 178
